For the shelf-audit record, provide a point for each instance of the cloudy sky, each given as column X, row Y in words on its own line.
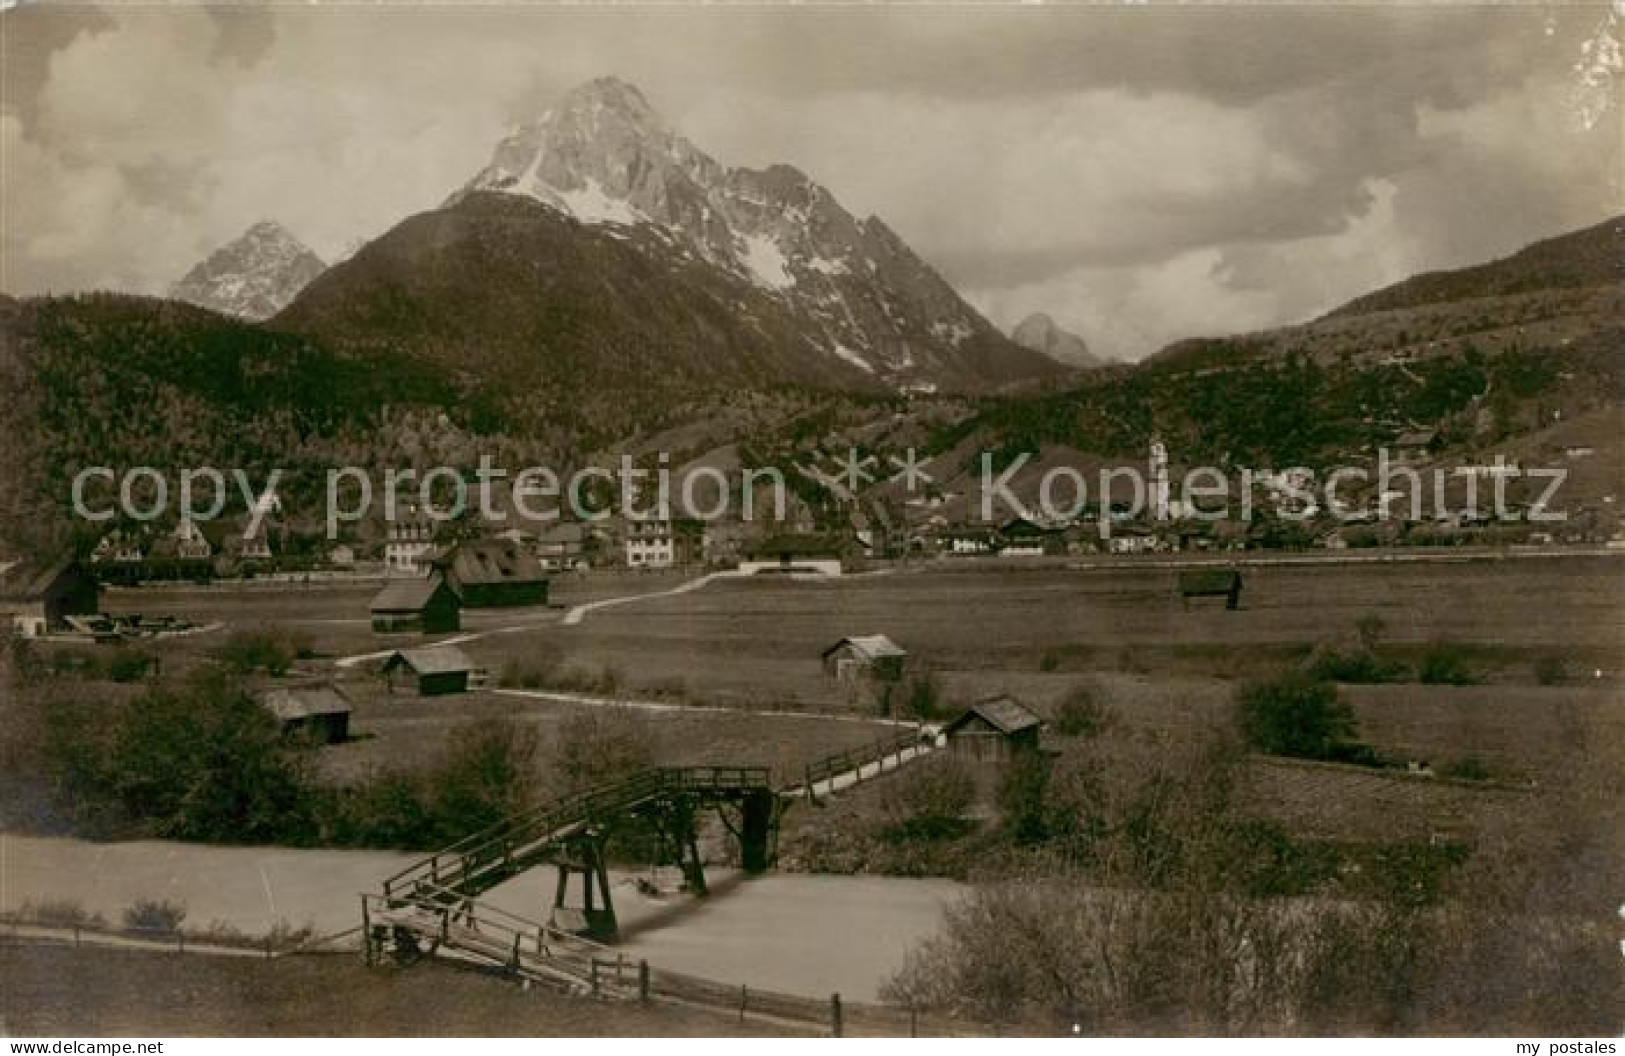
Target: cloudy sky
column 1142, row 174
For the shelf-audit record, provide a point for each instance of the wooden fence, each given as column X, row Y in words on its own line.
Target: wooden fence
column 833, row 1015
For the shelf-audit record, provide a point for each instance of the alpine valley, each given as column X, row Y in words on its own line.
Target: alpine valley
column 602, row 285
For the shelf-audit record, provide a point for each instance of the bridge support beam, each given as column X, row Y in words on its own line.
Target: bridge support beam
column 758, row 821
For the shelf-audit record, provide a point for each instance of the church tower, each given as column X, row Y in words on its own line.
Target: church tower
column 1159, row 479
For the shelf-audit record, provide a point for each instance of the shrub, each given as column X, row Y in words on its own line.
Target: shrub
column 1467, row 768
column 1370, row 627
column 1358, row 665
column 599, row 745
column 200, row 761
column 1445, row 664
column 488, row 773
column 130, row 665
column 1023, row 804
column 1294, row 715
column 249, row 651
column 1551, row 670
column 1050, row 661
column 60, row 913
column 150, row 915
column 538, row 668
column 922, row 698
column 929, row 802
column 1079, row 714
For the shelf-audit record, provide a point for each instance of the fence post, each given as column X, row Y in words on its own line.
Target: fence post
column 835, row 1025
column 913, row 1022
column 744, row 999
column 180, row 942
column 592, row 973
column 643, row 981
column 76, row 935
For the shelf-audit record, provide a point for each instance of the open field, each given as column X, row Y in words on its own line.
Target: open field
column 744, row 639
column 409, row 731
column 58, row 991
column 1039, row 632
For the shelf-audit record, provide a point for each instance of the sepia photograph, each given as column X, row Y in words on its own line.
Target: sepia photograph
column 737, row 520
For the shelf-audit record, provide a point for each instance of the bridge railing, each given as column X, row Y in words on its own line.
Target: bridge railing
column 856, row 758
column 475, row 928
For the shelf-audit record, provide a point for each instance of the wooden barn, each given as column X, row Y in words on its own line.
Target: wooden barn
column 432, row 671
column 993, row 731
column 1211, row 583
column 38, row 599
column 317, row 713
column 420, row 606
column 865, row 655
column 492, row 573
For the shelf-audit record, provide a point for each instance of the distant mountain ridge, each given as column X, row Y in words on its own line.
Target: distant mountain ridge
column 1042, row 334
column 254, row 276
column 1592, row 256
column 1556, row 290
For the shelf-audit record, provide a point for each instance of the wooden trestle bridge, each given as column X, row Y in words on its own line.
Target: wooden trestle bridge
column 434, row 904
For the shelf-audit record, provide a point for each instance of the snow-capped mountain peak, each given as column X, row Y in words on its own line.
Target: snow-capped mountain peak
column 604, row 156
column 253, row 276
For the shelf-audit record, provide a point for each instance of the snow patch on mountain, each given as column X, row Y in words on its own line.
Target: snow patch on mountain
column 766, row 262
column 591, row 205
column 254, row 276
column 852, row 357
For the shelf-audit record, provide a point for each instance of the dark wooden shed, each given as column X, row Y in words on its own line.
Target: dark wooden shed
column 493, row 573
column 38, row 598
column 993, row 731
column 427, row 606
column 1211, row 583
column 865, row 655
column 433, row 670
column 316, row 712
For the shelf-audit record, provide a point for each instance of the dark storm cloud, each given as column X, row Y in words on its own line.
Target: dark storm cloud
column 31, row 34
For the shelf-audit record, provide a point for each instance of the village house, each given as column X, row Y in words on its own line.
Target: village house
column 1133, row 539
column 971, row 541
column 430, row 671
column 416, row 606
column 316, row 712
column 563, row 547
column 865, row 656
column 492, row 573
column 994, row 730
column 662, row 542
column 252, row 544
column 118, row 546
column 39, row 599
column 407, row 539
column 1020, row 537
column 190, row 542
